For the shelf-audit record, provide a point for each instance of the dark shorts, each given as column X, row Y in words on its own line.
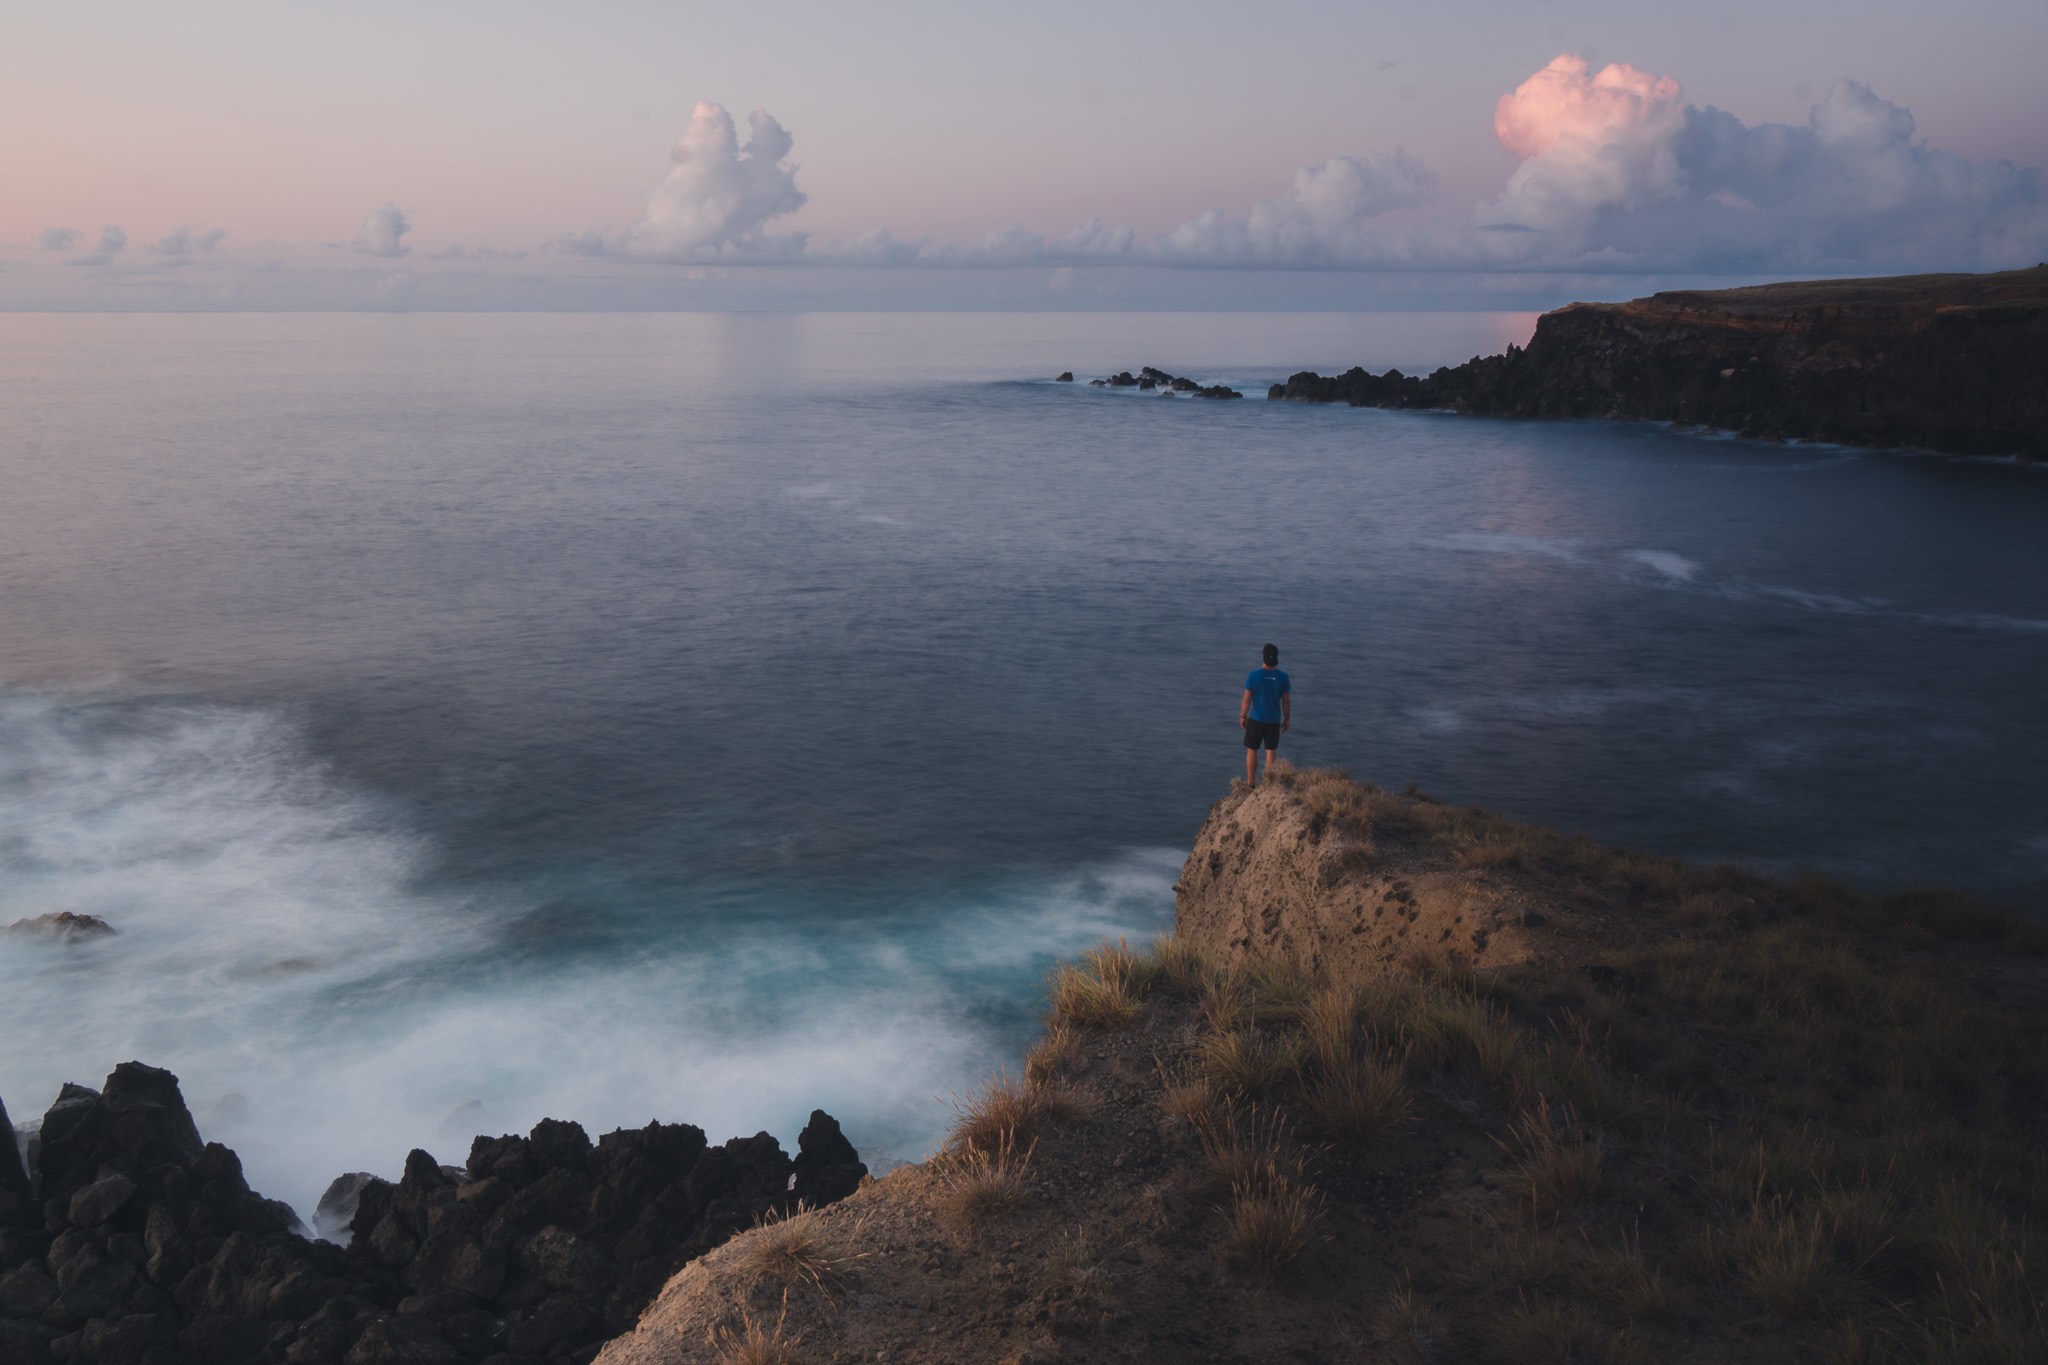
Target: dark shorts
column 1258, row 732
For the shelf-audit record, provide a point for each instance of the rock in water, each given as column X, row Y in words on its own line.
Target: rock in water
column 827, row 1168
column 14, row 1186
column 337, row 1207
column 138, row 1124
column 146, row 1247
column 1065, row 377
column 63, row 927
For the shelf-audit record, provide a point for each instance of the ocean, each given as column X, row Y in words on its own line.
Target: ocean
column 469, row 718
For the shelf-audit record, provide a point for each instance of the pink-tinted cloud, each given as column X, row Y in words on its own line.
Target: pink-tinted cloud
column 1618, row 170
column 1563, row 104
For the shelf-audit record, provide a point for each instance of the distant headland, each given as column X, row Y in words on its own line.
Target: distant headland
column 1949, row 363
column 1956, row 364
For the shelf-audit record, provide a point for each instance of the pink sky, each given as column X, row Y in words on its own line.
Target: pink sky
column 512, row 125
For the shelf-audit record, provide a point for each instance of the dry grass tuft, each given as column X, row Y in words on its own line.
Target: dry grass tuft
column 1115, row 963
column 1075, row 1263
column 1271, row 1221
column 1786, row 1265
column 1556, row 1163
column 1050, row 1055
column 1330, row 1024
column 791, row 1249
column 1449, row 1030
column 1003, row 1111
column 1407, row 1323
column 1226, row 1003
column 1084, row 999
column 1248, row 1061
column 977, row 1185
column 1240, row 1150
column 1280, row 990
column 1545, row 1332
column 1363, row 1101
column 753, row 1343
column 1620, row 1275
column 1182, row 968
column 1190, row 1097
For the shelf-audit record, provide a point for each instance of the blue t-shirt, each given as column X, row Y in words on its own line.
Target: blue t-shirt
column 1267, row 686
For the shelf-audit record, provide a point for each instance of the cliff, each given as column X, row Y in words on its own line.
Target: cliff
column 1951, row 363
column 1412, row 1082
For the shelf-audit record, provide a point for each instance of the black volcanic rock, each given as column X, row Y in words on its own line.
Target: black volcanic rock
column 337, row 1206
column 14, row 1185
column 146, row 1246
column 1955, row 363
column 63, row 927
column 827, row 1168
column 136, row 1125
column 1150, row 378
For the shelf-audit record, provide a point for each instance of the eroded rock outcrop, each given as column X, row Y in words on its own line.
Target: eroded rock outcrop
column 1272, row 877
column 1150, row 380
column 1954, row 363
column 63, row 927
column 136, row 1243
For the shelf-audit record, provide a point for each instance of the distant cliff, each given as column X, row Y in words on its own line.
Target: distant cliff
column 1954, row 363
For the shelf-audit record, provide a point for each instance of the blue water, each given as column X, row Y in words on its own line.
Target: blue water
column 466, row 718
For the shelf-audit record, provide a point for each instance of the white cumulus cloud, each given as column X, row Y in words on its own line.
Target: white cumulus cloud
column 1327, row 217
column 383, row 233
column 717, row 199
column 1618, row 168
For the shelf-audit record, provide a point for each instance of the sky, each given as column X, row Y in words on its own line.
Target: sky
column 632, row 154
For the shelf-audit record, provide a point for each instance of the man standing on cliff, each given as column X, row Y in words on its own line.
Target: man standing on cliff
column 1265, row 713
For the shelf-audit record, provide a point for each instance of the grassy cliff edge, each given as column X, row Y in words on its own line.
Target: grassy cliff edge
column 1412, row 1082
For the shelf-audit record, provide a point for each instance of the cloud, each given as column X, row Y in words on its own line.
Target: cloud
column 479, row 254
column 1618, row 169
column 878, row 246
column 58, row 239
column 1324, row 219
column 382, row 233
column 113, row 241
column 184, row 241
column 717, row 199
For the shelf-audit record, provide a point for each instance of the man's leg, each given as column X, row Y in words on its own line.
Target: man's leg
column 1251, row 770
column 1271, row 749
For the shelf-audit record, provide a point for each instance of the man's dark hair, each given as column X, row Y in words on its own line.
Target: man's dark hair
column 1272, row 655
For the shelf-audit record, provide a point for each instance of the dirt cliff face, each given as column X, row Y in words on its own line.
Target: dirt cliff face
column 1271, row 877
column 1953, row 363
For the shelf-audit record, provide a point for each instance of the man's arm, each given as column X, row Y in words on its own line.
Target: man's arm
column 1286, row 710
column 1244, row 708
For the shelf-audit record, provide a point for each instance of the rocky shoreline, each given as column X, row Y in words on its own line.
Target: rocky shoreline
column 1149, row 379
column 1956, row 364
column 129, row 1240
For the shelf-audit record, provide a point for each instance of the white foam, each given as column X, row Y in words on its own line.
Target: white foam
column 325, row 1014
column 1673, row 566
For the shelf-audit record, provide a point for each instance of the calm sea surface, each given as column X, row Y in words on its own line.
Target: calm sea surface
column 470, row 718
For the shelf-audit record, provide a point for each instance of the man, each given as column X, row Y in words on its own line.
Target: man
column 1265, row 713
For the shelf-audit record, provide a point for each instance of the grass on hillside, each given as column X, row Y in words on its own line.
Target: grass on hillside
column 1787, row 1097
